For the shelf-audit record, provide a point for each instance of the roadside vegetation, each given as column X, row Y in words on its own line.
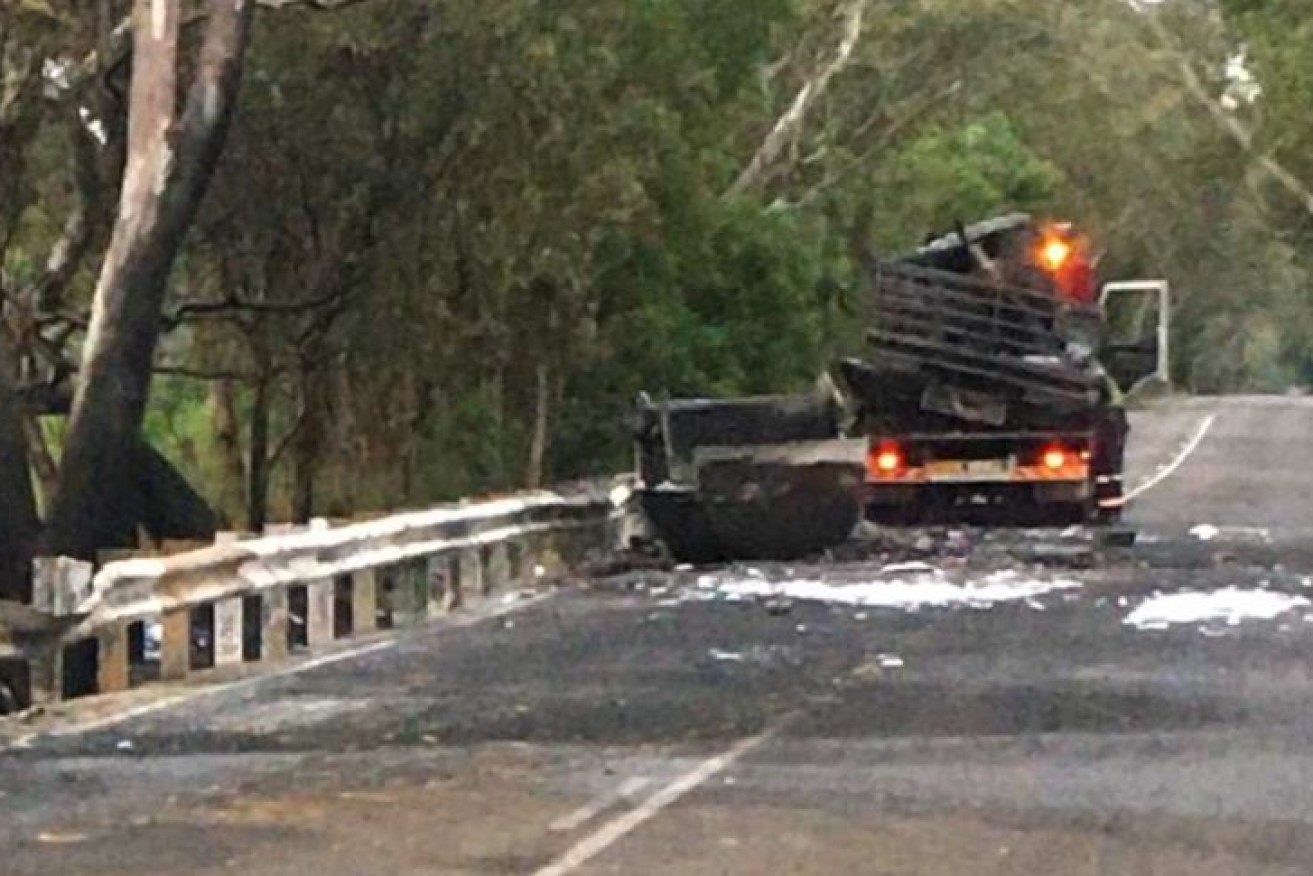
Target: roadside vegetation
column 429, row 248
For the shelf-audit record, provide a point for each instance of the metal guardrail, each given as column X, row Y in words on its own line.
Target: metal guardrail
column 257, row 599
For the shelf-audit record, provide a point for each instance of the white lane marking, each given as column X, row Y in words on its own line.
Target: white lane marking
column 600, row 804
column 283, row 672
column 616, row 829
column 1170, row 469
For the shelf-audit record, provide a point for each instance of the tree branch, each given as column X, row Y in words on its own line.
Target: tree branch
column 113, row 51
column 1229, row 124
column 39, row 454
column 116, row 45
column 202, row 309
column 286, row 441
column 887, row 135
column 311, row 5
column 202, row 373
column 788, row 127
column 46, row 399
column 46, row 292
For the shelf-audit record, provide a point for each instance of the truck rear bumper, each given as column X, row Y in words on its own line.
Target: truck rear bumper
column 1047, row 492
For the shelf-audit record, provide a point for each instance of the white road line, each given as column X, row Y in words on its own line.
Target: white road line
column 600, row 804
column 616, row 829
column 292, row 669
column 1164, row 473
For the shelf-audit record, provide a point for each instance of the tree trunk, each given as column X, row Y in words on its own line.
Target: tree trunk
column 306, row 446
column 41, row 459
column 170, row 507
column 170, row 162
column 18, row 520
column 228, row 443
column 533, row 476
column 258, row 461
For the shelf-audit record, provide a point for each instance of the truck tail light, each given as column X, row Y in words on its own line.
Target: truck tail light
column 885, row 460
column 1054, row 458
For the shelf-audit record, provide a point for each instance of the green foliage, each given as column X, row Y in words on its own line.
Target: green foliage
column 480, row 191
column 976, row 169
column 730, row 306
column 178, row 425
column 470, row 445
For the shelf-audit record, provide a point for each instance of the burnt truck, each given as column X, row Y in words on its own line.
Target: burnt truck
column 982, row 393
column 989, row 390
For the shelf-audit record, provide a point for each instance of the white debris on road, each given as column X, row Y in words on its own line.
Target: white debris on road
column 1241, row 534
column 905, row 568
column 1230, row 605
column 908, row 592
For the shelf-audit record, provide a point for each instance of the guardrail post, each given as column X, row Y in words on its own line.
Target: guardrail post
column 319, row 612
column 45, row 675
column 364, row 601
column 113, row 659
column 175, row 644
column 574, row 545
column 469, row 574
column 521, row 561
column 442, row 595
column 498, row 573
column 550, row 558
column 540, row 558
column 228, row 628
column 273, row 626
column 409, row 594
column 624, row 527
column 60, row 583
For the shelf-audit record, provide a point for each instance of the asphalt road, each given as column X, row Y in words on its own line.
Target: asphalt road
column 991, row 713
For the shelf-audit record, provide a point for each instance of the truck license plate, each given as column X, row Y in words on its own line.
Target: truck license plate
column 970, row 470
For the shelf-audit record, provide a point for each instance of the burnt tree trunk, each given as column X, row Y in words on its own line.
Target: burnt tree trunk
column 18, row 519
column 171, row 158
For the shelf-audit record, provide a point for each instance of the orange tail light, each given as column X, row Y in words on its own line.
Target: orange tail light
column 1054, row 458
column 885, row 460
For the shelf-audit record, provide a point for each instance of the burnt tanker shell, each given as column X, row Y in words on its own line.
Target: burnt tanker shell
column 751, row 510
